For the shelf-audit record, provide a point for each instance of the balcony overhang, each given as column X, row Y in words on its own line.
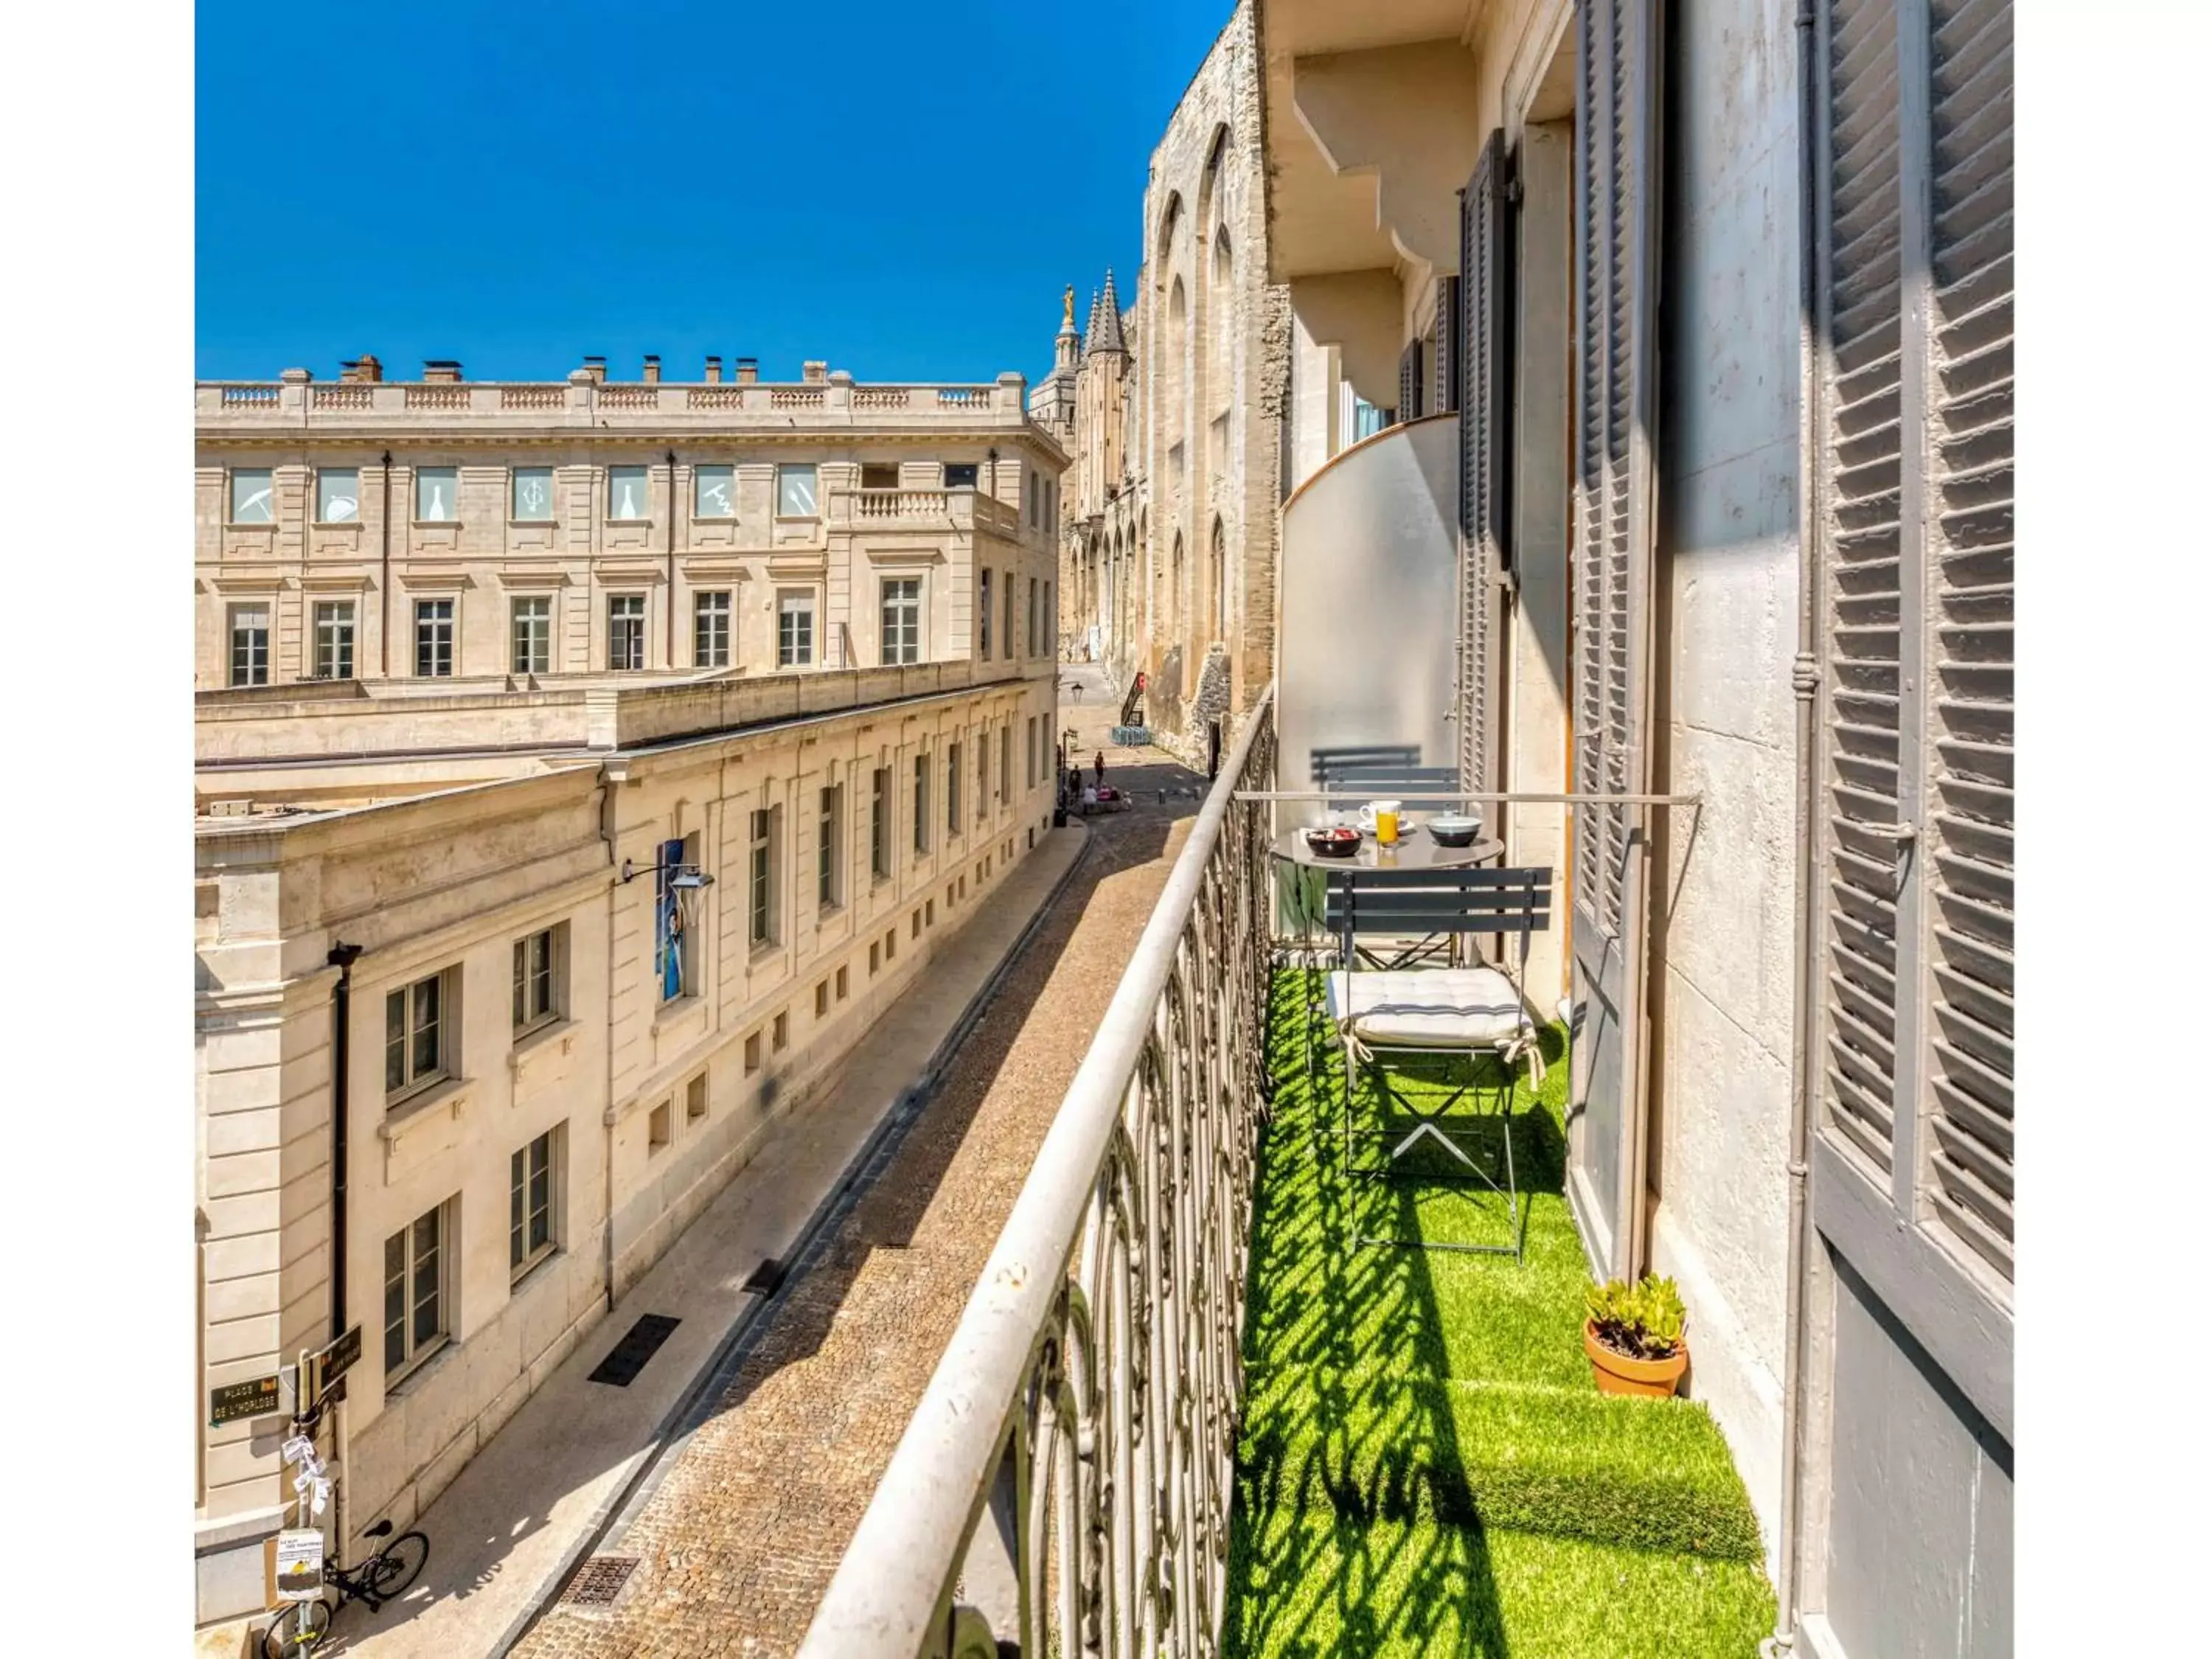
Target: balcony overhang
column 1371, row 129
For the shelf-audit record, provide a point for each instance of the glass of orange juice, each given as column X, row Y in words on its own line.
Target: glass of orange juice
column 1386, row 821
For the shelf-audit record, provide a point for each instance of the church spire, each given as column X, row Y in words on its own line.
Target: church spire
column 1104, row 333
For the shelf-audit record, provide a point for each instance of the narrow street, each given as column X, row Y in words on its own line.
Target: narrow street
column 744, row 1524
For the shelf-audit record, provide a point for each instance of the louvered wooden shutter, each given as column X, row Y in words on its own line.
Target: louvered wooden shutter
column 1484, row 285
column 1915, row 325
column 1409, row 381
column 1617, row 209
column 1444, row 348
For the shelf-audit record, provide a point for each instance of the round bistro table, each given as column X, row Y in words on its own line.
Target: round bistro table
column 1415, row 849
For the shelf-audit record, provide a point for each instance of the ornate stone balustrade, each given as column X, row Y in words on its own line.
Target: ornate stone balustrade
column 1065, row 1485
column 585, row 400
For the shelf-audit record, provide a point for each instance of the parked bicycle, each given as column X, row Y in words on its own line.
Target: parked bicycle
column 302, row 1625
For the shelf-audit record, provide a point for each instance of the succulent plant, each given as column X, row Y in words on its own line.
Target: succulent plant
column 1642, row 1321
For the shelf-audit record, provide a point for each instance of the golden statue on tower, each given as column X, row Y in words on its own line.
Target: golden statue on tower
column 1067, row 307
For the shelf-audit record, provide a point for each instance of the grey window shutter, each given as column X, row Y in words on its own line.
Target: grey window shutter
column 1445, row 346
column 1616, row 217
column 1485, row 293
column 1917, row 329
column 1617, row 207
column 1409, row 382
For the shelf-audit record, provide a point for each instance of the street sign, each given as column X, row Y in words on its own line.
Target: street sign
column 299, row 1565
column 235, row 1402
column 327, row 1367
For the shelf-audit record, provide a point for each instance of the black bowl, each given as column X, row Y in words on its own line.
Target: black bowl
column 1331, row 847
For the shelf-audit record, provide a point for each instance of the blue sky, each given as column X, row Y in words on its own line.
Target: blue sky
column 901, row 189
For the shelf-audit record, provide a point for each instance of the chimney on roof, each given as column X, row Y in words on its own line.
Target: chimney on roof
column 748, row 370
column 445, row 370
column 814, row 373
column 714, row 371
column 652, row 369
column 363, row 368
column 597, row 368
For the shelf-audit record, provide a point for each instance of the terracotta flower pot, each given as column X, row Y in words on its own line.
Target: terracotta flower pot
column 1616, row 1373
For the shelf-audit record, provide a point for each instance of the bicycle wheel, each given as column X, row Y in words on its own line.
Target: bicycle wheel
column 396, row 1564
column 295, row 1633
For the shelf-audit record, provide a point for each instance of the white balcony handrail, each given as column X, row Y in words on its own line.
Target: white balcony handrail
column 1008, row 1374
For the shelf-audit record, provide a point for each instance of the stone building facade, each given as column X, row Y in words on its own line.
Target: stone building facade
column 557, row 1051
column 1168, row 547
column 526, row 533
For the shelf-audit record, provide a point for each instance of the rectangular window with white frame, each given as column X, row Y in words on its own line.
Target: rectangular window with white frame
column 626, row 631
column 710, row 629
column 982, row 773
column 1005, row 758
column 983, row 614
column 533, row 1175
column 252, row 495
column 434, row 639
column 829, row 849
column 532, row 618
column 795, row 494
column 952, row 789
column 794, row 628
column 249, row 645
column 437, row 494
column 629, row 500
column 714, row 492
column 422, row 1034
column 540, row 968
column 879, row 823
column 1008, row 634
column 530, row 495
column 417, row 1303
column 337, row 495
column 334, row 640
column 761, row 874
column 901, row 639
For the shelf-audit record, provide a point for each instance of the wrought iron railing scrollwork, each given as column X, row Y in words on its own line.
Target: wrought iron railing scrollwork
column 1064, row 1487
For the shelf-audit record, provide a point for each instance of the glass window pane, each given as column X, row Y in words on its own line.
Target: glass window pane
column 794, row 492
column 714, row 492
column 437, row 494
column 626, row 493
column 252, row 495
column 337, row 495
column 532, row 498
column 960, row 475
column 395, row 1301
column 395, row 1040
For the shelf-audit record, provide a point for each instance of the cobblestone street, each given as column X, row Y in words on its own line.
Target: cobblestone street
column 736, row 1542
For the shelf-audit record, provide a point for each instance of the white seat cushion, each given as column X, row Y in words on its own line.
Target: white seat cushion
column 1440, row 1008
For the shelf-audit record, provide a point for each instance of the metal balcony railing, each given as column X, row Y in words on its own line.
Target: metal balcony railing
column 1064, row 1485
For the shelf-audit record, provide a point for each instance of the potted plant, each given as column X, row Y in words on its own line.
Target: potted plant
column 1634, row 1337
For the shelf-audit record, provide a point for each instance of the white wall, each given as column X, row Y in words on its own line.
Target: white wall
column 1727, row 577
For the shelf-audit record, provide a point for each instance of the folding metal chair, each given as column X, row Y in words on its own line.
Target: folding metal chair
column 1477, row 1011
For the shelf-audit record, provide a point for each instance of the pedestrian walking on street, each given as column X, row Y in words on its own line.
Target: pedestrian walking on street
column 1098, row 765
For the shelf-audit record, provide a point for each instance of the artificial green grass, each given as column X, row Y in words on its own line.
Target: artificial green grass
column 1425, row 1467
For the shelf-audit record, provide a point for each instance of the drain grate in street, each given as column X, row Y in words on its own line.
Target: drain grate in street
column 639, row 1344
column 766, row 1277
column 600, row 1579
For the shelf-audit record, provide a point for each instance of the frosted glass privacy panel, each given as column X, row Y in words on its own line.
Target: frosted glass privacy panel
column 337, row 495
column 626, row 496
column 1369, row 592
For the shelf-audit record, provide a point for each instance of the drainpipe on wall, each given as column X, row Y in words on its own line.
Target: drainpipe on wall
column 611, row 777
column 384, row 587
column 343, row 957
column 1805, row 684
